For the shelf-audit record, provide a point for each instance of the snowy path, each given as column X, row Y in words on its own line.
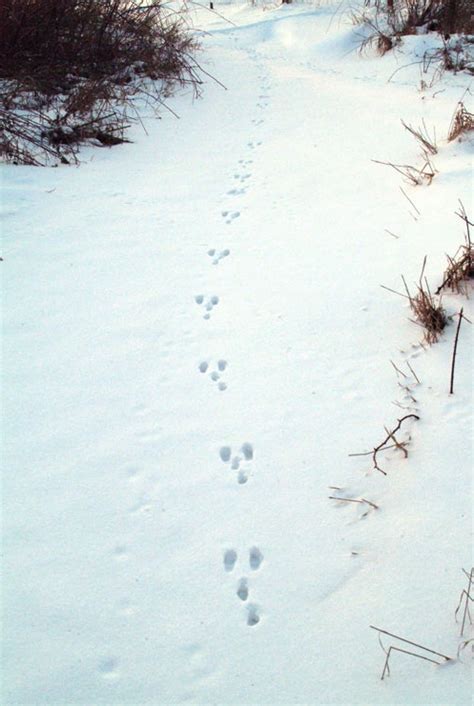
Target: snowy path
column 196, row 339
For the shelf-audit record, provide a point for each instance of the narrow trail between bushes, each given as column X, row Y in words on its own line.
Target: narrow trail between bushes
column 196, row 339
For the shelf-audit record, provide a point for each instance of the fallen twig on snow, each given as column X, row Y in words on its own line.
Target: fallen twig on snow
column 354, row 500
column 466, row 597
column 384, row 446
column 386, row 668
column 453, row 362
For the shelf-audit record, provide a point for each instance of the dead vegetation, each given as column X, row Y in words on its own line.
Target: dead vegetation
column 428, row 312
column 465, row 599
column 72, row 70
column 401, row 644
column 422, row 651
column 424, row 174
column 461, row 123
column 460, row 270
column 367, row 504
column 390, row 442
column 386, row 22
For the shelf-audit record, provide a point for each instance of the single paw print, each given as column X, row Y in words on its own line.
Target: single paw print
column 216, row 373
column 230, row 558
column 253, row 615
column 243, row 589
column 240, row 462
column 218, row 256
column 208, row 304
column 255, row 558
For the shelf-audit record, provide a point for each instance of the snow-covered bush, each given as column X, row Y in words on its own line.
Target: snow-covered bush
column 69, row 68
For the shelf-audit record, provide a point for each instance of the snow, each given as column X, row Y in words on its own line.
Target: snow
column 195, row 340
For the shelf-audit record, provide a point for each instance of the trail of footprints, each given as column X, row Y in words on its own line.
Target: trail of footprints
column 242, row 590
column 241, row 461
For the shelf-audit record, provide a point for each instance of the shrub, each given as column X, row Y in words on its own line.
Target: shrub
column 71, row 68
column 389, row 21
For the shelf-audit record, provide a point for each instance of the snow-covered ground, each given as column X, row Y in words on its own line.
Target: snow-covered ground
column 195, row 340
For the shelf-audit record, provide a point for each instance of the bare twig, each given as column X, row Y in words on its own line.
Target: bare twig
column 410, row 201
column 466, row 596
column 386, row 668
column 354, row 500
column 384, row 446
column 398, row 371
column 453, row 362
column 428, row 143
column 394, row 291
column 413, row 372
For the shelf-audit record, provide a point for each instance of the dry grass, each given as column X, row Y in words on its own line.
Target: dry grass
column 460, row 269
column 416, row 176
column 428, row 311
column 71, row 69
column 422, row 135
column 461, row 123
column 387, row 23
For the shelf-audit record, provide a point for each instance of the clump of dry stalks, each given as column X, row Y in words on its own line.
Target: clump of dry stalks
column 461, row 123
column 427, row 171
column 428, row 311
column 460, row 269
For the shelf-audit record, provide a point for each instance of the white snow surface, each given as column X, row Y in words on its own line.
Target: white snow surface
column 195, row 340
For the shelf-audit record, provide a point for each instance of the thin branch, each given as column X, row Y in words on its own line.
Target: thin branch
column 410, row 201
column 394, row 291
column 354, row 500
column 413, row 372
column 384, row 446
column 453, row 362
column 410, row 642
column 386, row 668
column 398, row 370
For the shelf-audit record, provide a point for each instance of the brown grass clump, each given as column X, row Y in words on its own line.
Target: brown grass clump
column 428, row 312
column 460, row 269
column 71, row 69
column 462, row 122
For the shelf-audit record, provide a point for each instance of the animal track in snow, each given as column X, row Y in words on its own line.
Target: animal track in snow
column 243, row 589
column 208, row 304
column 242, row 177
column 217, row 256
column 236, row 192
column 108, row 668
column 230, row 558
column 253, row 145
column 230, row 216
column 246, row 455
column 215, row 374
column 255, row 558
column 253, row 615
